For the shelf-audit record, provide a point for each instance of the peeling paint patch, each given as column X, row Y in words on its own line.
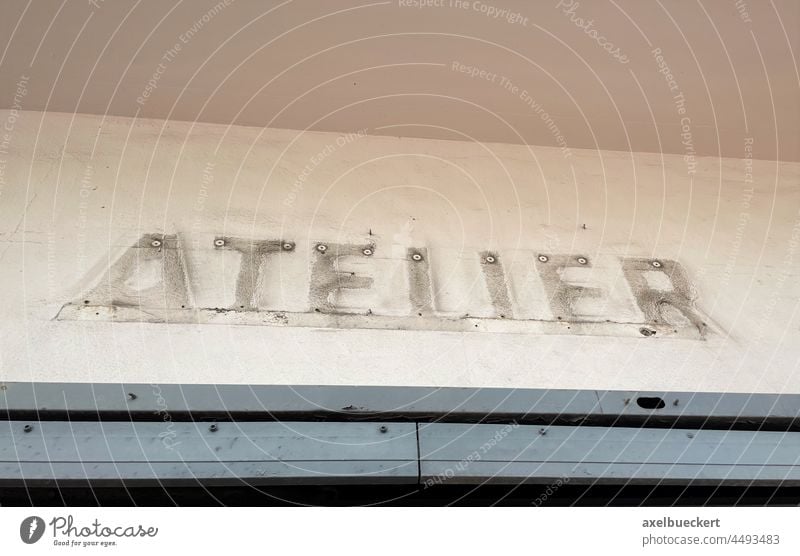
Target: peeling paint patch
column 496, row 283
column 562, row 294
column 662, row 306
column 327, row 279
column 158, row 257
column 419, row 282
column 149, row 283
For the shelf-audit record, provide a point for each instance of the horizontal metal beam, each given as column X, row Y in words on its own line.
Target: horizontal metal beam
column 182, row 401
column 168, row 453
column 462, row 453
column 285, row 401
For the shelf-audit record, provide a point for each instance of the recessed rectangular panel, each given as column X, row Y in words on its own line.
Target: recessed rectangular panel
column 460, row 453
column 169, row 452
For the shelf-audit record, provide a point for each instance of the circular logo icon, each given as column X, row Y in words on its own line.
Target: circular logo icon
column 31, row 529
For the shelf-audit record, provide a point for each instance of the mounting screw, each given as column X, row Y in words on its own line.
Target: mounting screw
column 675, row 402
column 27, row 428
column 132, row 396
column 287, row 246
column 543, row 432
column 416, row 257
column 213, row 427
column 626, row 401
column 690, row 435
column 384, row 429
column 219, row 242
column 156, row 243
column 367, row 251
column 582, row 260
column 543, row 258
column 490, row 259
column 647, row 332
column 656, row 264
column 321, row 247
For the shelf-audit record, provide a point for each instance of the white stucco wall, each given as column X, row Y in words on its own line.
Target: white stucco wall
column 77, row 191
